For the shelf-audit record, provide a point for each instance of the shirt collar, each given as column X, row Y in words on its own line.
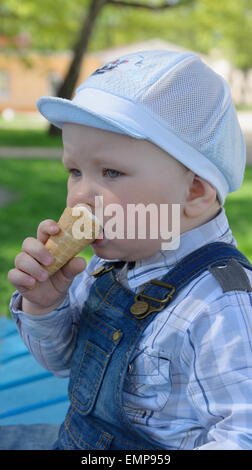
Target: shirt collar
column 162, row 261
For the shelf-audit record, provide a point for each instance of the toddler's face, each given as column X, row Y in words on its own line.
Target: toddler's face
column 122, row 171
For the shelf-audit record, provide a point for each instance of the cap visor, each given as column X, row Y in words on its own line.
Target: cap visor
column 59, row 110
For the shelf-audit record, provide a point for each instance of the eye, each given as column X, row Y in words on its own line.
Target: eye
column 111, row 173
column 74, row 172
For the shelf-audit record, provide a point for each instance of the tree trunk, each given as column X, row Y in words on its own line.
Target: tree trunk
column 67, row 88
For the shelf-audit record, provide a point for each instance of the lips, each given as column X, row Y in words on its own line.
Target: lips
column 100, row 239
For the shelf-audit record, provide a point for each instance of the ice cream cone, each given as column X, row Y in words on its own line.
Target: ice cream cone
column 71, row 240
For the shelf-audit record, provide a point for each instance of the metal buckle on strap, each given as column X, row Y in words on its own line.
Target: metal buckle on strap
column 101, row 270
column 141, row 308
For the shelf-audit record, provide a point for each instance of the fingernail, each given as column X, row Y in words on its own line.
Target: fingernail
column 43, row 276
column 48, row 260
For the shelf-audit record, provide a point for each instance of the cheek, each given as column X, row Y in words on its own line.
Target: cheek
column 120, row 196
column 70, row 192
column 133, row 194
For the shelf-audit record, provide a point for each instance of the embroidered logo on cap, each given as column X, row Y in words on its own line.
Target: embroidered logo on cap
column 112, row 65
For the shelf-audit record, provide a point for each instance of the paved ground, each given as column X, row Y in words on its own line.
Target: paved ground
column 249, row 149
column 30, row 152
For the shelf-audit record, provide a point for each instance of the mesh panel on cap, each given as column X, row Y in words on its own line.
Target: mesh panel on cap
column 188, row 101
column 132, row 73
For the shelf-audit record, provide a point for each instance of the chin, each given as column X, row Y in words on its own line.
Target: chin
column 110, row 253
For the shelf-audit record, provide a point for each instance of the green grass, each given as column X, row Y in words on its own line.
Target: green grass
column 32, row 120
column 238, row 209
column 28, row 138
column 27, row 130
column 40, row 187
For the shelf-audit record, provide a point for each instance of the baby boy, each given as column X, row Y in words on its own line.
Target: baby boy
column 156, row 341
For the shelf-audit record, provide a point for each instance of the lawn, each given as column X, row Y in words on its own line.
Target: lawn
column 27, row 130
column 28, row 138
column 40, row 188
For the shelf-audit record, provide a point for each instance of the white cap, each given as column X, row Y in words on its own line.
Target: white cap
column 171, row 99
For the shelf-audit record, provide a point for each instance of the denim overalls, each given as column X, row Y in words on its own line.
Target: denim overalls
column 112, row 322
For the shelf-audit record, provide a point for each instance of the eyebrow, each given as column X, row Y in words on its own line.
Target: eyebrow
column 68, row 159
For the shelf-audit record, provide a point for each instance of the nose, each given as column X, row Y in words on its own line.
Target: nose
column 83, row 193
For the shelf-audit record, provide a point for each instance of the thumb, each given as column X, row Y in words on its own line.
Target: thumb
column 63, row 278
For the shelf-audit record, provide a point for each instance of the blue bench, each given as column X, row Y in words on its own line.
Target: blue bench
column 29, row 394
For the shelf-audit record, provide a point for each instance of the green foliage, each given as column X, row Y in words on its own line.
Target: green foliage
column 28, row 138
column 227, row 25
column 199, row 25
column 53, row 25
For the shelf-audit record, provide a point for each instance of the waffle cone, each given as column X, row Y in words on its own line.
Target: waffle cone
column 65, row 245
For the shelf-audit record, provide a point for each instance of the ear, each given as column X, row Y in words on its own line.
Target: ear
column 201, row 197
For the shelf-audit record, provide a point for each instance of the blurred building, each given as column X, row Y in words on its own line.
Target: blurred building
column 24, row 77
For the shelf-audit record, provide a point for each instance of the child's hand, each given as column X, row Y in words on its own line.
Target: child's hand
column 50, row 292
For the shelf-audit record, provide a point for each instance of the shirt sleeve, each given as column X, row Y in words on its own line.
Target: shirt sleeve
column 51, row 338
column 218, row 356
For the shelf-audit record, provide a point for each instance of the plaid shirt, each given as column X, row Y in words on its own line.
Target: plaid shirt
column 189, row 385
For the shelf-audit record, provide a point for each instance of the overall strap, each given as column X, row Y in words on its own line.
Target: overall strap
column 157, row 294
column 206, row 257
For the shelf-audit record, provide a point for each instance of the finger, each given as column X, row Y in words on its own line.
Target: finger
column 24, row 262
column 73, row 267
column 63, row 278
column 46, row 228
column 20, row 280
column 37, row 250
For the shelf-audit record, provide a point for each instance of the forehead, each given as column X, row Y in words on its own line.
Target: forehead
column 78, row 134
column 81, row 141
column 90, row 140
